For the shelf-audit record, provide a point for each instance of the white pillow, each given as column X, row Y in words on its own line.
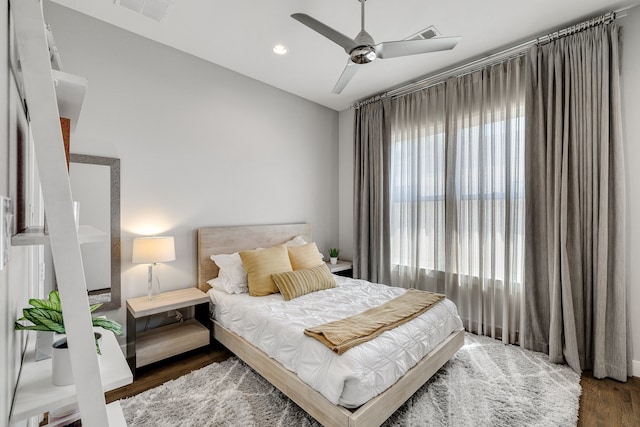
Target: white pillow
column 217, row 284
column 233, row 278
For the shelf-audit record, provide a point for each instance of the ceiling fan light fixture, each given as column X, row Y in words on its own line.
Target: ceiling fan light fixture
column 363, row 54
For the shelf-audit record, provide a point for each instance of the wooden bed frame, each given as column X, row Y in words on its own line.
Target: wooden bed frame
column 219, row 240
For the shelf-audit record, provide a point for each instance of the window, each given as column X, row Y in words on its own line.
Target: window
column 457, row 183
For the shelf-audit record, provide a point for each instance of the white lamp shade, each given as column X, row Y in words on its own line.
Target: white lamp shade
column 149, row 250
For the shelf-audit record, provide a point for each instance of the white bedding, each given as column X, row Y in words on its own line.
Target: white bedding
column 276, row 327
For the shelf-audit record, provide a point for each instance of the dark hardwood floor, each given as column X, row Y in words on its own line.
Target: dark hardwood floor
column 609, row 402
column 159, row 373
column 603, row 403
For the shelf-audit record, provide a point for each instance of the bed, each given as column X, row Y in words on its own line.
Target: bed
column 226, row 240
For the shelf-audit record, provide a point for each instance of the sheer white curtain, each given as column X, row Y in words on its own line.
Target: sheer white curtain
column 457, row 195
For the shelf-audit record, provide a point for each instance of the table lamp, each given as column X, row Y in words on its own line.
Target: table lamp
column 152, row 250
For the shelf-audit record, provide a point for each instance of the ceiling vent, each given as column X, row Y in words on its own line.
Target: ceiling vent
column 427, row 33
column 153, row 9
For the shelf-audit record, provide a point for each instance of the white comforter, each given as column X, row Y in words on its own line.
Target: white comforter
column 276, row 327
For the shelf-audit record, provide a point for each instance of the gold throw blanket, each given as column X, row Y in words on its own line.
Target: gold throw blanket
column 343, row 334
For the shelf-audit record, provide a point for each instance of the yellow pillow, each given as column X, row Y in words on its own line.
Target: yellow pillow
column 301, row 282
column 305, row 256
column 260, row 264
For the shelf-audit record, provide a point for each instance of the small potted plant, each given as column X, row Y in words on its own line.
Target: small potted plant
column 46, row 315
column 333, row 255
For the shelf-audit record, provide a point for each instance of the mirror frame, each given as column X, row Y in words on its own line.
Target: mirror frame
column 114, row 168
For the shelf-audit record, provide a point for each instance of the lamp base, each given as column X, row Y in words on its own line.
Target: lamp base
column 150, row 282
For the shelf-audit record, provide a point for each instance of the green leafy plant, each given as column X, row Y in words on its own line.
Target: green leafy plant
column 46, row 315
column 334, row 252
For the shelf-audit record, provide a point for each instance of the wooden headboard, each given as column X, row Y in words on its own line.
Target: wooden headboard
column 227, row 240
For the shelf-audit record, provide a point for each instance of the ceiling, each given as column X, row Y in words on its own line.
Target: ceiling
column 240, row 34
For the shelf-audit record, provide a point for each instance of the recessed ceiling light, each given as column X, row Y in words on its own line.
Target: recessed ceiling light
column 280, row 49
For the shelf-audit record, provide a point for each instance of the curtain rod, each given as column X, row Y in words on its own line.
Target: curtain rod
column 495, row 58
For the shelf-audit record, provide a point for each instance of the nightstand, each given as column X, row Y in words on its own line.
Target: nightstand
column 153, row 345
column 342, row 268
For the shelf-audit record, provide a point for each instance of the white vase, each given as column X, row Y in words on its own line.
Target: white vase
column 61, row 363
column 334, row 259
column 61, row 372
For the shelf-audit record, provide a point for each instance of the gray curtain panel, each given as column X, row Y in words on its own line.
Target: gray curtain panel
column 576, row 307
column 371, row 193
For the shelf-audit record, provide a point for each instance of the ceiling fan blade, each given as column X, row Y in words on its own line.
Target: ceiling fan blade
column 386, row 50
column 346, row 76
column 337, row 37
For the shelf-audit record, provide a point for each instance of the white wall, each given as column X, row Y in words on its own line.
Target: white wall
column 631, row 125
column 199, row 145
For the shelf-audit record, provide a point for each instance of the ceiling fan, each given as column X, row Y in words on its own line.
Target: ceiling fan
column 362, row 49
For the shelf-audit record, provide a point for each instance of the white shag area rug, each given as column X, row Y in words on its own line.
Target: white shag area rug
column 487, row 383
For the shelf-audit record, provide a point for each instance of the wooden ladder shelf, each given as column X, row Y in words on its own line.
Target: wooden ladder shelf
column 50, row 157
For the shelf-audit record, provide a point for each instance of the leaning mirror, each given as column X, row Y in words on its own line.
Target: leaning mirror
column 95, row 186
